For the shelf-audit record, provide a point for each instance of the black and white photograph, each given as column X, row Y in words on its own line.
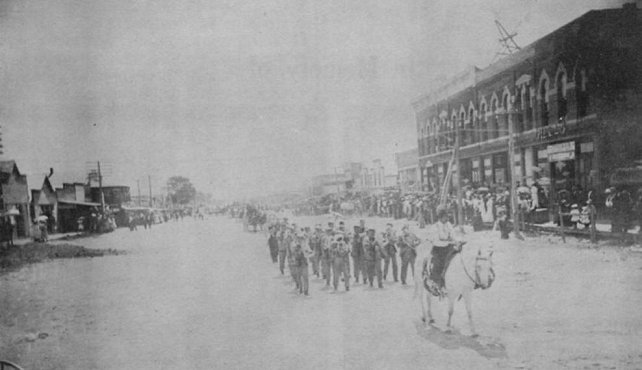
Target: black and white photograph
column 336, row 184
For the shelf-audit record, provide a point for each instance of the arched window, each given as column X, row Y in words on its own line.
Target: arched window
column 528, row 107
column 543, row 100
column 493, row 119
column 562, row 106
column 483, row 124
column 472, row 127
column 503, row 118
column 581, row 93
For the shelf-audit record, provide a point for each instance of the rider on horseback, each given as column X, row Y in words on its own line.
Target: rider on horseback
column 442, row 249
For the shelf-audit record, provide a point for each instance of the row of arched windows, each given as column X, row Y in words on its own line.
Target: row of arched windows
column 530, row 106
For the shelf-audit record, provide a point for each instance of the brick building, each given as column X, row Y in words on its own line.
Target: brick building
column 573, row 98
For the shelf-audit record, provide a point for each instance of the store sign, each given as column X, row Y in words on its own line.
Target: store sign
column 561, row 152
column 559, row 157
column 586, row 147
column 552, row 131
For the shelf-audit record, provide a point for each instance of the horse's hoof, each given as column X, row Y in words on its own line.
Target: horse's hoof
column 431, row 321
column 448, row 331
column 475, row 335
column 423, row 319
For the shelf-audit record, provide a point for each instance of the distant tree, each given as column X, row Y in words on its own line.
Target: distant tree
column 181, row 190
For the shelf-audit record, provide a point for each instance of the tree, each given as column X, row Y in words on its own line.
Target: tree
column 181, row 190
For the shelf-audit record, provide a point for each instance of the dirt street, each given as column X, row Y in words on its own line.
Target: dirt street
column 205, row 294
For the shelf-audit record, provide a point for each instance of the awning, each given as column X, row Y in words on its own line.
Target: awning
column 78, row 203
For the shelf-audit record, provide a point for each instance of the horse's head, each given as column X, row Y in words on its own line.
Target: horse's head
column 484, row 273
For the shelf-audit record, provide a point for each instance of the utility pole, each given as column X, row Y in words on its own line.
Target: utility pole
column 151, row 202
column 460, row 220
column 138, row 184
column 513, row 173
column 100, row 190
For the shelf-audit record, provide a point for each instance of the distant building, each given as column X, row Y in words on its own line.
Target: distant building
column 74, row 206
column 373, row 177
column 408, row 170
column 14, row 198
column 329, row 184
column 114, row 197
column 44, row 202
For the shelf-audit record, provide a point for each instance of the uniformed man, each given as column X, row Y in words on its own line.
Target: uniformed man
column 326, row 257
column 372, row 253
column 357, row 254
column 273, row 244
column 301, row 265
column 339, row 250
column 283, row 248
column 316, row 245
column 390, row 252
column 291, row 245
column 408, row 243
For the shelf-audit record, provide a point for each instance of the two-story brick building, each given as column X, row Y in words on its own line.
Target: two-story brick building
column 573, row 98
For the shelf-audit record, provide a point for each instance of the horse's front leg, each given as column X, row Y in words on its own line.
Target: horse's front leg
column 451, row 310
column 469, row 310
column 428, row 303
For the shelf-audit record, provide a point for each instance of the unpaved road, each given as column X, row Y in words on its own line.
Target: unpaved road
column 204, row 295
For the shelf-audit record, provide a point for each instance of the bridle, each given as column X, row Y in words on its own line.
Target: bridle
column 477, row 280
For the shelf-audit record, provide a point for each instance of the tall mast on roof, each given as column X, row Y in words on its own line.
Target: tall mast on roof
column 506, row 41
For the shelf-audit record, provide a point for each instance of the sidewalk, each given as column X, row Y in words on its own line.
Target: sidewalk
column 52, row 237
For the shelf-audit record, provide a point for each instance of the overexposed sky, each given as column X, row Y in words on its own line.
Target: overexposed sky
column 241, row 97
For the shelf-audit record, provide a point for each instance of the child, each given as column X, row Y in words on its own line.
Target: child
column 502, row 224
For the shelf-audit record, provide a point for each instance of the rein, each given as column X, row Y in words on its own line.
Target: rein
column 461, row 257
column 475, row 280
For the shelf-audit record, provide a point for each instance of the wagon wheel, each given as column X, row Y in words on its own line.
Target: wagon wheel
column 6, row 365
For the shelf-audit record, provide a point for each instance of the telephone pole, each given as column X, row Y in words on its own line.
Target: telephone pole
column 151, row 202
column 513, row 173
column 100, row 189
column 460, row 220
column 138, row 184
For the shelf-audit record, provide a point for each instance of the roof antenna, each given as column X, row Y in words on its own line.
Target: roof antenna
column 506, row 41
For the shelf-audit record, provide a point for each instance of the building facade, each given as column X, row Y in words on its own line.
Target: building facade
column 408, row 170
column 14, row 198
column 572, row 99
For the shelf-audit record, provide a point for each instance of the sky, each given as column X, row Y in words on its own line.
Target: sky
column 241, row 97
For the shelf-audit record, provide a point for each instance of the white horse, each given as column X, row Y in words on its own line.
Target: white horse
column 469, row 269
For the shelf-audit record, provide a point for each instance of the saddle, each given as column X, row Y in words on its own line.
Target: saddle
column 434, row 280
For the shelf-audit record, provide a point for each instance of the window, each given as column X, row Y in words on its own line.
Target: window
column 493, row 119
column 543, row 91
column 580, row 93
column 503, row 119
column 562, row 109
column 472, row 128
column 483, row 133
column 528, row 109
column 519, row 109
